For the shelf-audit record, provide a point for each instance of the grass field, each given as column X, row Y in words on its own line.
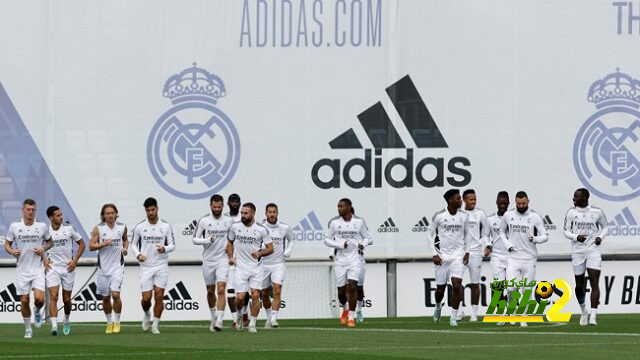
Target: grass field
column 616, row 337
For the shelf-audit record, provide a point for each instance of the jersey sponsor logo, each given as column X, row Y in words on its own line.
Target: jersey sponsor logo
column 388, row 226
column 179, row 299
column 369, row 171
column 421, row 225
column 548, row 224
column 88, row 299
column 10, row 300
column 194, row 148
column 606, row 148
column 308, row 229
column 624, row 224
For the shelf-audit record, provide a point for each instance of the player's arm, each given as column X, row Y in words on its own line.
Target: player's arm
column 125, row 241
column 198, row 235
column 485, row 233
column 169, row 242
column 604, row 228
column 503, row 234
column 431, row 240
column 366, row 236
column 290, row 243
column 467, row 241
column 568, row 225
column 81, row 246
column 136, row 245
column 268, row 246
column 543, row 236
column 8, row 243
column 329, row 241
column 95, row 244
column 231, row 236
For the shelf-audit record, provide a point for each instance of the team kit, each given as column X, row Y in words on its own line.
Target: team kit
column 243, row 260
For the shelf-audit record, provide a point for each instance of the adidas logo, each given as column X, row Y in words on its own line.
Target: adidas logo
column 308, row 229
column 624, row 224
column 388, row 226
column 179, row 298
column 421, row 226
column 10, row 299
column 383, row 135
column 548, row 224
column 88, row 299
column 190, row 229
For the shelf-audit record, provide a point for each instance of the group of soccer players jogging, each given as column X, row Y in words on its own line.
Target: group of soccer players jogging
column 459, row 237
column 243, row 260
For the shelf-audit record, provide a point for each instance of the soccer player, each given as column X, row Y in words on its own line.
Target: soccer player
column 447, row 237
column 274, row 264
column 111, row 241
column 586, row 227
column 360, row 287
column 496, row 248
column 151, row 242
column 233, row 202
column 211, row 232
column 347, row 234
column 520, row 231
column 62, row 263
column 244, row 250
column 478, row 238
column 32, row 240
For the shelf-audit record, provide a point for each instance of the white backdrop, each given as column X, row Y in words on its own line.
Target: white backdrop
column 505, row 82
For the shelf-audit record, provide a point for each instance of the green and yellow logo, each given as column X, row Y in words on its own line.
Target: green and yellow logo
column 524, row 307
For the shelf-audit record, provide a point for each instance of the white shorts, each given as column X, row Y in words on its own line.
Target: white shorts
column 582, row 262
column 59, row 275
column 347, row 272
column 26, row 282
column 249, row 278
column 363, row 270
column 475, row 267
column 231, row 276
column 520, row 270
column 449, row 269
column 273, row 274
column 499, row 267
column 216, row 272
column 153, row 276
column 108, row 283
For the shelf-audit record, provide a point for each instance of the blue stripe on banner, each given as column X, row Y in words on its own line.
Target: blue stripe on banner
column 627, row 215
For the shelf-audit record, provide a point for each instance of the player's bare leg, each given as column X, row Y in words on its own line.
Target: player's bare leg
column 211, row 301
column 245, row 312
column 239, row 303
column 146, row 308
column 455, row 300
column 439, row 296
column 117, row 310
column 580, row 289
column 255, row 309
column 66, row 301
column 342, row 298
column 231, row 300
column 277, row 299
column 53, row 309
column 352, row 299
column 108, row 308
column 221, row 289
column 266, row 303
column 360, row 304
column 158, row 307
column 594, row 280
column 475, row 300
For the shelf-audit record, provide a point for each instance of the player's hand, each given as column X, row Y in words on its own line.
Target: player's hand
column 141, row 258
column 487, row 251
column 346, row 244
column 287, row 254
column 255, row 255
column 71, row 265
column 16, row 253
column 530, row 238
column 212, row 239
column 124, row 252
column 581, row 238
column 45, row 262
column 106, row 242
column 232, row 261
column 437, row 260
column 160, row 248
column 39, row 250
column 465, row 259
column 360, row 246
column 598, row 241
column 511, row 249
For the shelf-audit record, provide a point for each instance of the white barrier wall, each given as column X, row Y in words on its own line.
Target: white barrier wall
column 308, row 292
column 619, row 287
column 303, row 102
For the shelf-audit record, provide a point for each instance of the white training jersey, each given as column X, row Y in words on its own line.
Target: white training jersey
column 498, row 248
column 146, row 238
column 447, row 234
column 516, row 229
column 478, row 230
column 589, row 221
column 27, row 238
column 282, row 237
column 212, row 234
column 353, row 232
column 235, row 218
column 247, row 240
column 110, row 258
column 62, row 251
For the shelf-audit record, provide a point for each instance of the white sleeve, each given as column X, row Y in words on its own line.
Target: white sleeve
column 604, row 226
column 567, row 227
column 170, row 244
column 328, row 238
column 503, row 234
column 198, row 235
column 431, row 235
column 134, row 242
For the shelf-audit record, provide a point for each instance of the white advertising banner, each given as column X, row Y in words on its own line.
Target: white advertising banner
column 304, row 102
column 308, row 292
column 619, row 287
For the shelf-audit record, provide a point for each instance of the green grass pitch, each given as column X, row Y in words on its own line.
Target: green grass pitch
column 615, row 337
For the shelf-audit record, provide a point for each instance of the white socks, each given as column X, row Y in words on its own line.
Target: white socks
column 156, row 322
column 454, row 314
column 274, row 315
column 214, row 313
column 66, row 318
column 54, row 323
column 147, row 314
column 108, row 316
column 27, row 323
column 233, row 316
column 116, row 317
column 583, row 307
column 268, row 311
column 474, row 310
column 593, row 313
column 359, row 305
column 438, row 306
column 252, row 321
column 220, row 315
column 352, row 315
